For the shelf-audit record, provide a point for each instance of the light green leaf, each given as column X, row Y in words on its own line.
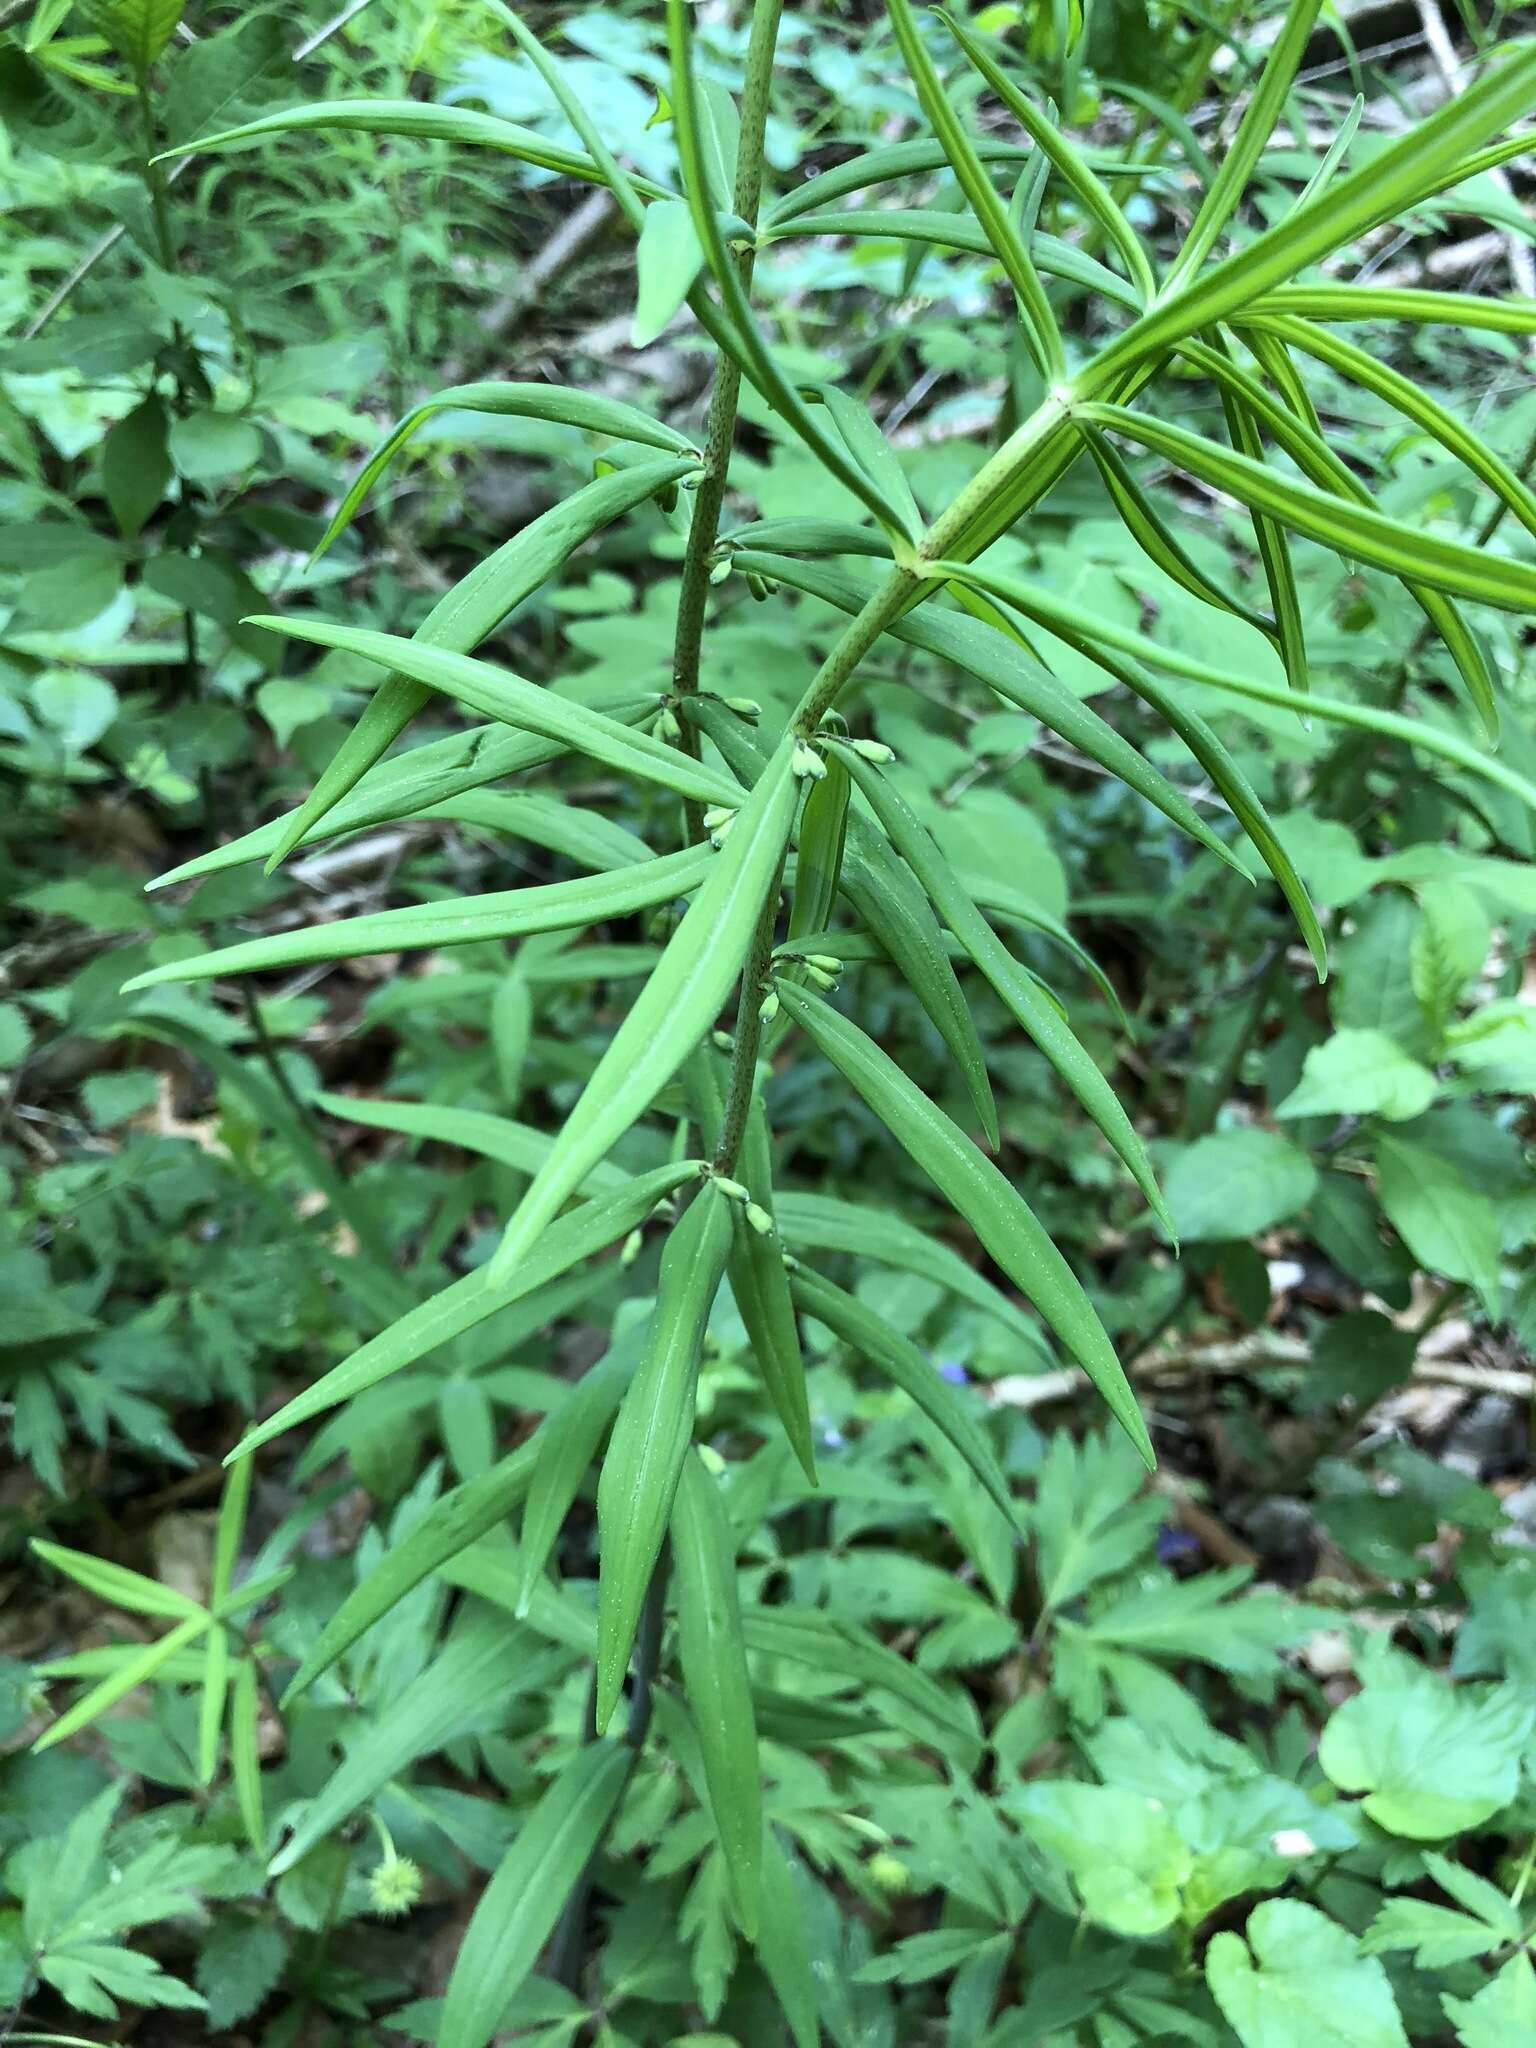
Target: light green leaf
column 714, row 1660
column 760, row 1289
column 1126, row 1857
column 1430, row 1758
column 1235, row 1184
column 675, row 1008
column 1449, row 1226
column 651, row 1435
column 1017, row 987
column 1501, row 2012
column 891, row 1353
column 668, row 259
column 563, row 1244
column 976, row 1189
column 565, row 1445
column 450, row 1525
column 507, row 914
column 519, row 1907
column 1304, row 1980
column 133, row 1671
column 1360, row 1073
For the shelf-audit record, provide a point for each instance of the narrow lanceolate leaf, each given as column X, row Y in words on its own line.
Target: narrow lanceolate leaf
column 823, row 1223
column 588, row 410
column 245, row 1752
column 519, row 1907
column 463, row 125
column 417, row 783
column 784, row 1945
column 1031, row 1007
column 566, row 1444
column 1011, row 250
column 901, row 1362
column 1350, row 529
column 675, row 1008
column 652, row 1434
column 1153, row 535
column 1274, row 548
column 668, row 258
column 469, row 613
column 516, row 1145
column 874, row 455
column 1387, row 186
column 1239, row 160
column 882, row 888
column 819, row 852
column 1414, row 403
column 1036, row 602
column 836, row 1648
column 970, row 1182
column 1069, row 163
column 117, row 1585
column 582, row 835
column 505, row 914
column 134, row 1671
column 450, row 1525
column 1349, row 303
column 564, row 1244
column 714, row 1660
column 873, row 224
column 995, row 660
column 760, row 1289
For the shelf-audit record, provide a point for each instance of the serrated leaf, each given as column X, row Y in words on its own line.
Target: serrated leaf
column 1295, row 1975
column 1429, row 1758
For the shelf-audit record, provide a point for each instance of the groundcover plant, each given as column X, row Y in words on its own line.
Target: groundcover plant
column 776, row 1684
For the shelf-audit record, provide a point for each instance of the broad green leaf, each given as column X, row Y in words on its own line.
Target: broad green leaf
column 1360, row 1073
column 1294, row 1975
column 1431, row 1758
column 563, row 1244
column 675, row 1008
column 466, row 1689
column 1016, row 986
column 1235, row 1184
column 977, row 1190
column 1450, row 1226
column 450, row 1525
column 823, row 1223
column 1038, row 603
column 1002, row 664
column 591, row 411
column 566, row 1444
column 469, row 613
column 465, row 125
column 1501, row 2012
column 1011, row 250
column 1356, row 530
column 651, row 1435
column 891, row 1353
column 506, row 914
column 714, row 1660
column 415, row 784
column 1125, row 1854
column 668, row 258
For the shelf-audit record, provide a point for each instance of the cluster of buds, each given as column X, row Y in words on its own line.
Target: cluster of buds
column 822, row 970
column 718, row 820
column 755, row 1214
column 666, row 727
column 872, row 750
column 807, row 763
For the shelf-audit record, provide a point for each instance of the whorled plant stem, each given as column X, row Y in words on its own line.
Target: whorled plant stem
column 720, row 429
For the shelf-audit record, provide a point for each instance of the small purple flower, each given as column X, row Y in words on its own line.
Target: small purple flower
column 952, row 1370
column 1174, row 1543
column 833, row 1440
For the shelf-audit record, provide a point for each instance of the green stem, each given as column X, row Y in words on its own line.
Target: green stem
column 749, row 1034
column 720, row 430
